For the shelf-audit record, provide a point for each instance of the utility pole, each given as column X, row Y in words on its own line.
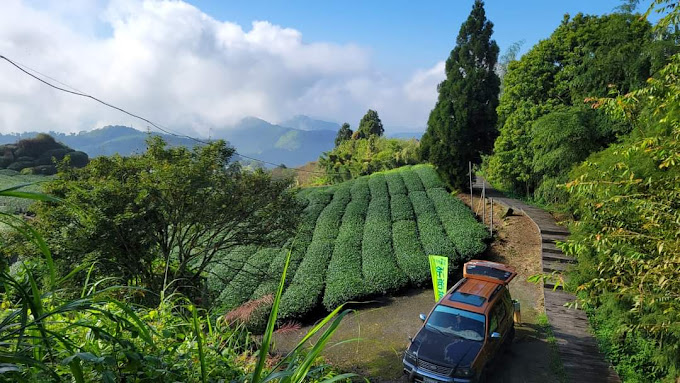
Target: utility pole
column 491, row 224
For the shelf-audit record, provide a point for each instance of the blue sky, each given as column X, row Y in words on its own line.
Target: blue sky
column 200, row 66
column 406, row 35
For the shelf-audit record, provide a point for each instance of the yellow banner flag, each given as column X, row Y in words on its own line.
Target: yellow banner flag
column 439, row 267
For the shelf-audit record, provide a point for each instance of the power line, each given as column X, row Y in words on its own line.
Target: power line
column 163, row 129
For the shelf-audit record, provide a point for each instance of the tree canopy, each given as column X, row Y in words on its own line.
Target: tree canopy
column 461, row 127
column 370, row 125
column 584, row 57
column 164, row 215
column 344, row 134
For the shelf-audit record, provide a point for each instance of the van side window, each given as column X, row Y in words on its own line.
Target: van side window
column 497, row 314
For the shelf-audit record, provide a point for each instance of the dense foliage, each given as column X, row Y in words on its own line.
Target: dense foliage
column 344, row 134
column 358, row 157
column 159, row 219
column 462, row 124
column 370, row 125
column 52, row 332
column 363, row 237
column 626, row 237
column 39, row 155
column 544, row 126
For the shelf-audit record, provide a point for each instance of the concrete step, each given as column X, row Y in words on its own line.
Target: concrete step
column 558, row 231
column 551, row 238
column 550, row 266
column 558, row 257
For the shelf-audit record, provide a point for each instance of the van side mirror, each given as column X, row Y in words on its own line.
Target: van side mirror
column 495, row 335
column 422, row 317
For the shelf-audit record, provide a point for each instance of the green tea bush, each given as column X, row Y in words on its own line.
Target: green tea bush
column 409, row 252
column 400, row 206
column 304, row 292
column 241, row 287
column 432, row 234
column 344, row 280
column 378, row 186
column 428, row 176
column 328, row 224
column 379, row 265
column 226, row 267
column 360, row 191
column 395, row 183
column 411, row 179
column 318, row 200
column 466, row 233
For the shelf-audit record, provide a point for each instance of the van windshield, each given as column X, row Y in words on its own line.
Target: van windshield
column 456, row 322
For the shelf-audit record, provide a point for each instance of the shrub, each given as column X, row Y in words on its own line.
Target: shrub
column 19, row 165
column 344, row 280
column 395, row 183
column 378, row 186
column 400, row 206
column 241, row 287
column 411, row 179
column 79, row 159
column 428, row 176
column 432, row 235
column 378, row 264
column 466, row 233
column 304, row 292
column 360, row 190
column 409, row 252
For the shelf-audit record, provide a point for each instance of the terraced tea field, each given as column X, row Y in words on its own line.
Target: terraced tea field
column 361, row 238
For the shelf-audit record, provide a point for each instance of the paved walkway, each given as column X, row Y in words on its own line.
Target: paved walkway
column 580, row 355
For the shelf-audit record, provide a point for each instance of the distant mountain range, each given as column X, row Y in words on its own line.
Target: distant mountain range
column 303, row 141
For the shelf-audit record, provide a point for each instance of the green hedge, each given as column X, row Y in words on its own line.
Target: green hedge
column 401, row 209
column 395, row 183
column 411, row 179
column 225, row 268
column 378, row 186
column 344, row 281
column 241, row 287
column 409, row 252
column 304, row 292
column 378, row 262
column 466, row 233
column 432, row 234
column 428, row 176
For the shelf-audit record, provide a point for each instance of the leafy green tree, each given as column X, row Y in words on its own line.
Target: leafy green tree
column 164, row 215
column 344, row 134
column 584, row 57
column 359, row 157
column 370, row 125
column 461, row 125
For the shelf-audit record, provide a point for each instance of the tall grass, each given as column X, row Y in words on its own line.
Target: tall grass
column 50, row 333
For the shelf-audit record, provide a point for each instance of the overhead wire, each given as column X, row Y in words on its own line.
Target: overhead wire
column 25, row 69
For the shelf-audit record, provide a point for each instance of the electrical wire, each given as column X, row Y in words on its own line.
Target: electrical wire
column 163, row 129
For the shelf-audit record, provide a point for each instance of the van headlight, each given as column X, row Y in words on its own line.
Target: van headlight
column 410, row 357
column 464, row 372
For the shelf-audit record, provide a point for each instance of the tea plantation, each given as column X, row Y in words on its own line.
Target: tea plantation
column 363, row 237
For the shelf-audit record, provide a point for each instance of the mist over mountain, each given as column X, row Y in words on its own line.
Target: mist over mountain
column 251, row 136
column 303, row 122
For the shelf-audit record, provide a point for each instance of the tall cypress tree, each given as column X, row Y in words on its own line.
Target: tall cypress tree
column 461, row 126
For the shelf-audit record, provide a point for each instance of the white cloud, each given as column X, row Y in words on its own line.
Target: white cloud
column 178, row 66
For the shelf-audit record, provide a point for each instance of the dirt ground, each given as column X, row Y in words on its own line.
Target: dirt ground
column 371, row 341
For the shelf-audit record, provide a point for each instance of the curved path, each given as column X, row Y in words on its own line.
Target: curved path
column 578, row 349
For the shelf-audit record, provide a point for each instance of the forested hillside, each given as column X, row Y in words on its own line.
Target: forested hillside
column 589, row 124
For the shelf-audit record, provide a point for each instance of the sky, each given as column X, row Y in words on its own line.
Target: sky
column 197, row 66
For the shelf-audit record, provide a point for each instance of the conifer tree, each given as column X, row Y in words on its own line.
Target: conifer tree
column 344, row 134
column 370, row 125
column 461, row 126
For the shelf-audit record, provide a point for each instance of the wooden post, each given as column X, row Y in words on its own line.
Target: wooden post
column 491, row 224
column 470, row 173
column 484, row 210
